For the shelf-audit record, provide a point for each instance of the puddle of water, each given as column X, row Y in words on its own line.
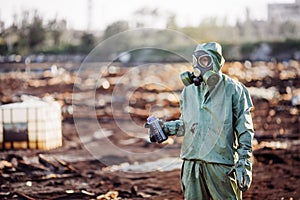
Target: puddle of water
column 171, row 163
column 164, row 164
column 97, row 135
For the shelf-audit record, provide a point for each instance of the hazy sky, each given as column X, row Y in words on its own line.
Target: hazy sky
column 188, row 12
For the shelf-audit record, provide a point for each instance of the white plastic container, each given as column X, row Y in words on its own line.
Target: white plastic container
column 32, row 124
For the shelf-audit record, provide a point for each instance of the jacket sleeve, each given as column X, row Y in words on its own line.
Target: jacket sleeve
column 175, row 127
column 243, row 124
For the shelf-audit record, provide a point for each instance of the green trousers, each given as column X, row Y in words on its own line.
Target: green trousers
column 202, row 180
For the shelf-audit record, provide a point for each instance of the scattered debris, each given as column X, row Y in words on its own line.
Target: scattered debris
column 37, row 174
column 111, row 195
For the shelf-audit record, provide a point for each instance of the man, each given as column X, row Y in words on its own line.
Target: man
column 217, row 128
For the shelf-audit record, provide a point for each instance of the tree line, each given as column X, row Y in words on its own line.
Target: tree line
column 32, row 34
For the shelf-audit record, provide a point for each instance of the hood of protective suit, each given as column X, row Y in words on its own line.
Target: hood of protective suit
column 214, row 49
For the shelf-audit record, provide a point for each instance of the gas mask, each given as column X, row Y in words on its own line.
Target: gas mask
column 203, row 70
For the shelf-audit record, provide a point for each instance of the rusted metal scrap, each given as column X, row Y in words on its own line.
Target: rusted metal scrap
column 47, row 169
column 29, row 168
column 48, row 163
column 68, row 166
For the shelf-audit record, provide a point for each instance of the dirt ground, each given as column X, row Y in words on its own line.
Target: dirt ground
column 74, row 172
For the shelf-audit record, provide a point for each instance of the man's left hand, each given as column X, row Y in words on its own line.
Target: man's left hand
column 243, row 169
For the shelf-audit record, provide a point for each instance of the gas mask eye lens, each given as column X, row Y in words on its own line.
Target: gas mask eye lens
column 204, row 61
column 197, row 72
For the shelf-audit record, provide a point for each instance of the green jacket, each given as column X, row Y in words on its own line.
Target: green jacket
column 216, row 122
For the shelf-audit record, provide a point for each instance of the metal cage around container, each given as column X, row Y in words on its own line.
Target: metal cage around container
column 31, row 124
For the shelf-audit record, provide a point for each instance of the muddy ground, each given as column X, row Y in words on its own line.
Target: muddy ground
column 78, row 169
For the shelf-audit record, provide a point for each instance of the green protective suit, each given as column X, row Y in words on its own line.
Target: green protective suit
column 217, row 127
